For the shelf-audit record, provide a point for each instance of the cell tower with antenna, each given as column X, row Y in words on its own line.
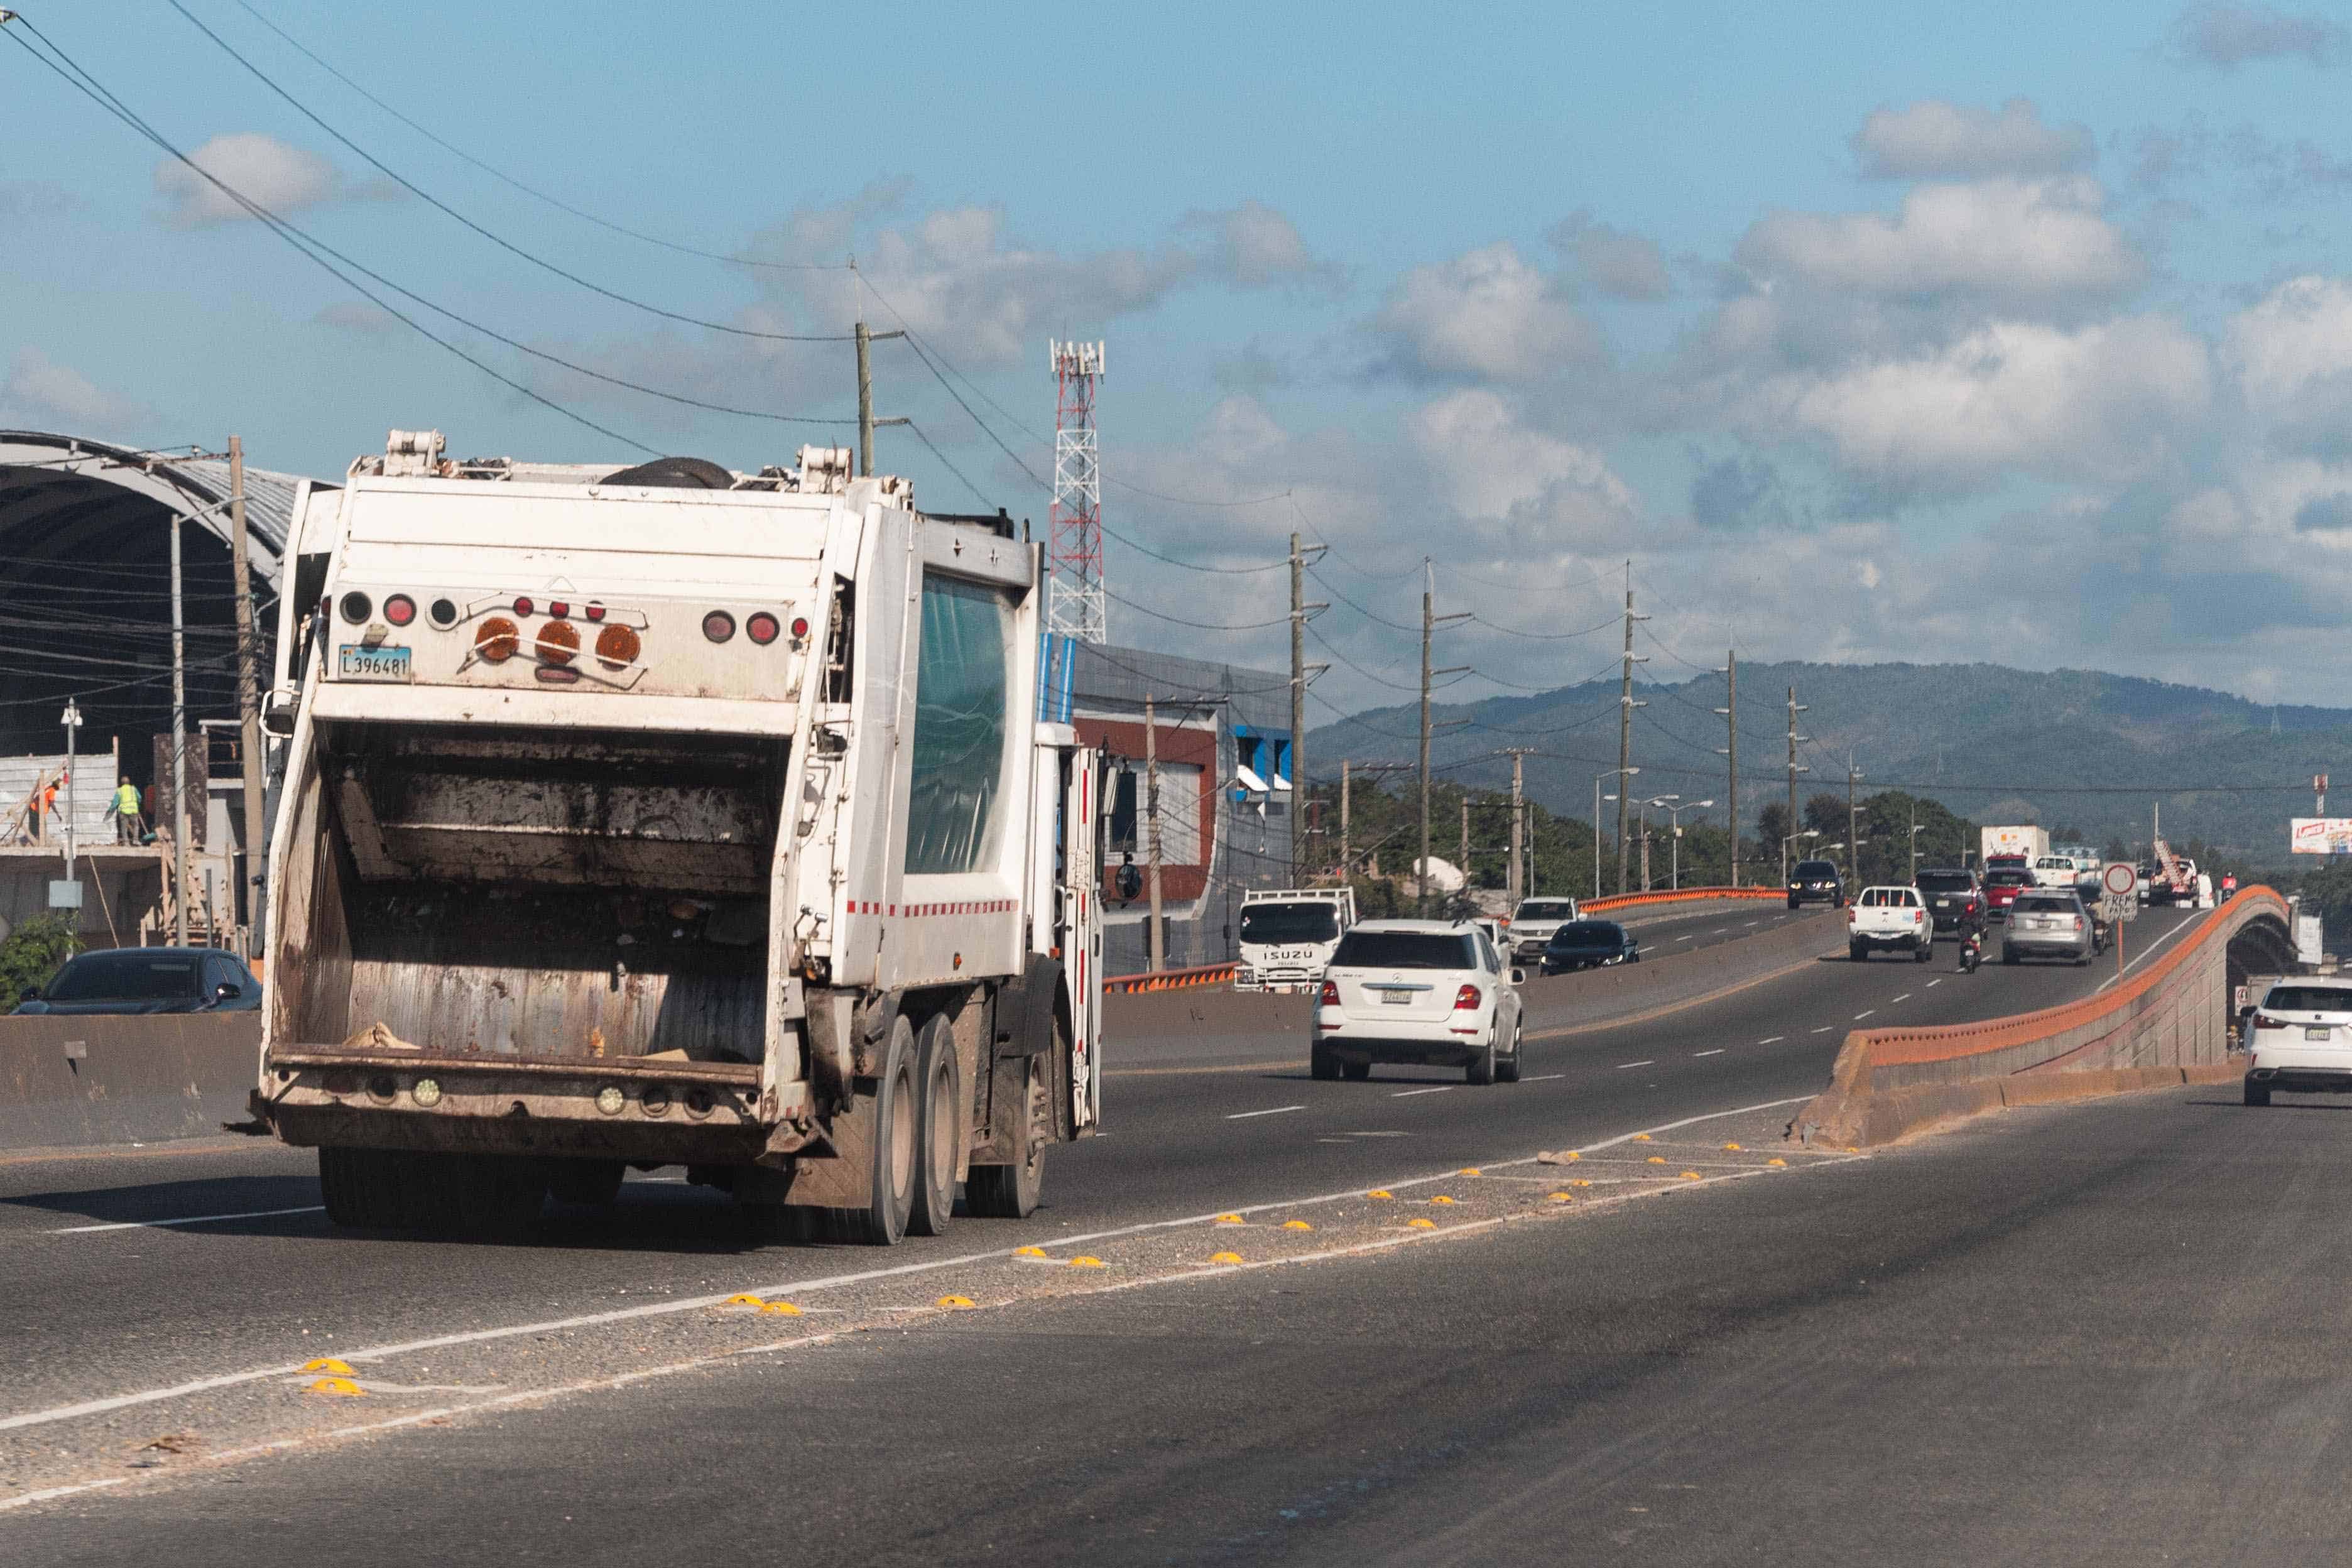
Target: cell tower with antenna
column 1074, row 598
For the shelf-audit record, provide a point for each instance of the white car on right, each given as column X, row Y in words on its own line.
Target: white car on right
column 1531, row 926
column 2300, row 1037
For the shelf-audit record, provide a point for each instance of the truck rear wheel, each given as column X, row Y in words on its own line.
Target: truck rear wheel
column 1011, row 1192
column 894, row 1153
column 939, row 1129
column 357, row 1188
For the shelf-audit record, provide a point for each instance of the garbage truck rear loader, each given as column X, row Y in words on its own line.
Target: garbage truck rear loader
column 673, row 817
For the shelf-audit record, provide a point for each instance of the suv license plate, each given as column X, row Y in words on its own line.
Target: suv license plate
column 1396, row 998
column 2318, row 1032
column 355, row 662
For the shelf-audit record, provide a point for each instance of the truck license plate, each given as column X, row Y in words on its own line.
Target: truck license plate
column 355, row 662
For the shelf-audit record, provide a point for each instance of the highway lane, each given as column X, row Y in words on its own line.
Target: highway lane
column 96, row 1312
column 2093, row 1333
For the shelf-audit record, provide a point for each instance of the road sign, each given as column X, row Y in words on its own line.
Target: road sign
column 2118, row 907
column 2121, row 878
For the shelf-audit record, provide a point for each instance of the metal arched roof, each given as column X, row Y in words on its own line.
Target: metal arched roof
column 62, row 496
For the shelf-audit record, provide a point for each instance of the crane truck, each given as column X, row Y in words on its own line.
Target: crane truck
column 669, row 815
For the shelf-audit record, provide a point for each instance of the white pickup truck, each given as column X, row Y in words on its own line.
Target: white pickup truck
column 1889, row 916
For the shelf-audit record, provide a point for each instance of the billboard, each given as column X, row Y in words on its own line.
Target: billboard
column 2320, row 835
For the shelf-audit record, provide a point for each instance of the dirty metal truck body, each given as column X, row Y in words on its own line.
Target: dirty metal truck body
column 673, row 817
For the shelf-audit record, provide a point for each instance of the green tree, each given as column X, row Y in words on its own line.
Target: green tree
column 33, row 951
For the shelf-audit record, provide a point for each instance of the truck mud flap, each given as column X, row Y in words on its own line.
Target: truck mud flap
column 845, row 1180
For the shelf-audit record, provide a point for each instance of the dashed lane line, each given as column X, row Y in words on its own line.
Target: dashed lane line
column 1771, row 1040
column 1904, row 997
column 1651, row 1063
column 191, row 1219
column 1825, row 1028
column 1440, row 1088
column 1866, row 1013
column 1277, row 1111
column 1933, row 984
column 1717, row 1052
column 1543, row 1077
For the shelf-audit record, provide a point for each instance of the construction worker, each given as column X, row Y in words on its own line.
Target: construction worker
column 126, row 824
column 49, row 801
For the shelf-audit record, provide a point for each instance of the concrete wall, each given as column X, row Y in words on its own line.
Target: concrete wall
column 120, row 1081
column 2169, row 1023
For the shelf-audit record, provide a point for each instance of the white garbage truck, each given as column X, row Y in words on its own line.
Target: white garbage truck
column 667, row 815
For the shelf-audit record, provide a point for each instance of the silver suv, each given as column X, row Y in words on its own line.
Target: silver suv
column 2048, row 923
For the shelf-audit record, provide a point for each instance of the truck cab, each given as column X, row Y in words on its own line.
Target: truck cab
column 1889, row 916
column 1288, row 936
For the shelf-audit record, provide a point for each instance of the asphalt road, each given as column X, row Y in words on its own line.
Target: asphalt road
column 99, row 1314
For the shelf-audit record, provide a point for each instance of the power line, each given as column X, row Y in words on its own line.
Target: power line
column 532, row 191
column 405, row 184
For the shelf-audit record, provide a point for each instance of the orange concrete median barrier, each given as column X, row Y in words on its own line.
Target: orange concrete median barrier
column 2165, row 1024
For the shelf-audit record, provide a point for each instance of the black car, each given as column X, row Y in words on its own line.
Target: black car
column 146, row 979
column 1816, row 881
column 1955, row 899
column 1590, row 945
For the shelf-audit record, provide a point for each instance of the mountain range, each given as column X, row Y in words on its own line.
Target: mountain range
column 2094, row 753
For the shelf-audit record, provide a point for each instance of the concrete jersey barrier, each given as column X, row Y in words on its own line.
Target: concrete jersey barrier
column 2170, row 1024
column 124, row 1080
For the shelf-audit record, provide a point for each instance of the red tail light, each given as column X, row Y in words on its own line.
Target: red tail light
column 718, row 626
column 800, row 627
column 400, row 609
column 558, row 608
column 1331, row 997
column 525, row 605
column 595, row 611
column 762, row 627
column 1466, row 997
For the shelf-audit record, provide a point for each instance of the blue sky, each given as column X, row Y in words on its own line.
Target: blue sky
column 1867, row 333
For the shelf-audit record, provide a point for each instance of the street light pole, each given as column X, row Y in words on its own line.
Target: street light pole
column 72, row 722
column 1676, row 811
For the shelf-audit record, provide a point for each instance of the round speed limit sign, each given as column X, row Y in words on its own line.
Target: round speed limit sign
column 2121, row 879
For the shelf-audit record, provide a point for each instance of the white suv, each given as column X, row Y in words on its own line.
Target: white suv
column 1430, row 992
column 2302, row 1039
column 1532, row 923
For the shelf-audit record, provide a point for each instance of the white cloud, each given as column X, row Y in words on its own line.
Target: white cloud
column 1940, row 139
column 2003, row 239
column 274, row 174
column 1486, row 314
column 1615, row 261
column 2227, row 37
column 2297, row 340
column 1494, row 466
column 1255, row 247
column 2101, row 405
column 38, row 392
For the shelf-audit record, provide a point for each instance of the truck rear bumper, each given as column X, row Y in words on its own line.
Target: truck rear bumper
column 693, row 1113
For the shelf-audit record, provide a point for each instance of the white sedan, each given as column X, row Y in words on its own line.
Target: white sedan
column 1430, row 992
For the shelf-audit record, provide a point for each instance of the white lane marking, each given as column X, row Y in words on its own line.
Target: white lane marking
column 1771, row 1040
column 1409, row 1093
column 1686, row 937
column 2151, row 951
column 1825, row 1028
column 1717, row 1052
column 1866, row 1013
column 1720, row 930
column 1933, row 984
column 192, row 1219
column 802, row 1287
column 1904, row 997
column 1751, row 923
column 1543, row 1077
column 1651, row 1063
column 1277, row 1111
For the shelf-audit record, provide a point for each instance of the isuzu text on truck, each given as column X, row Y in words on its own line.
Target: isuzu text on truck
column 672, row 817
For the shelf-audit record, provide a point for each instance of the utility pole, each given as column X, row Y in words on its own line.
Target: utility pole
column 1347, row 770
column 1430, row 620
column 1625, row 706
column 866, row 420
column 71, row 720
column 1300, row 673
column 1794, row 769
column 1731, row 714
column 248, row 700
column 1853, row 827
column 1158, row 944
column 1515, row 878
column 179, row 749
column 1465, row 841
column 1643, row 820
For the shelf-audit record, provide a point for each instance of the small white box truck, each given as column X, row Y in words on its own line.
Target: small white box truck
column 672, row 817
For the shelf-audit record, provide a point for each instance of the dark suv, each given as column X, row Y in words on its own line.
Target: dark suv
column 1955, row 899
column 1816, row 881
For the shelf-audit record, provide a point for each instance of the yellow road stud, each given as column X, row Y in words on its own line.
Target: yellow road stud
column 1087, row 1263
column 1641, row 1138
column 1572, row 1154
column 1295, row 1225
column 1441, row 1198
column 1028, row 1252
column 1417, row 1223
column 1563, row 1197
column 1657, row 1159
column 1226, row 1258
column 1579, row 1182
column 341, row 1387
column 1379, row 1193
column 1231, row 1219
column 745, row 1300
column 1776, row 1161
column 781, row 1308
column 1731, row 1148
column 958, row 1303
column 1690, row 1175
column 1468, row 1171
column 328, row 1364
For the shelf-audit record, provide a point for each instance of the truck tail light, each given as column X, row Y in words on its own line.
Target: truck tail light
column 595, row 612
column 525, row 605
column 400, row 609
column 800, row 627
column 617, row 646
column 762, row 627
column 356, row 607
column 443, row 613
column 497, row 639
column 557, row 642
column 718, row 626
column 559, row 609
column 1466, row 997
column 1331, row 996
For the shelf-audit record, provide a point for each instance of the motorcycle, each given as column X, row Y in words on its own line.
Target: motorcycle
column 1971, row 950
